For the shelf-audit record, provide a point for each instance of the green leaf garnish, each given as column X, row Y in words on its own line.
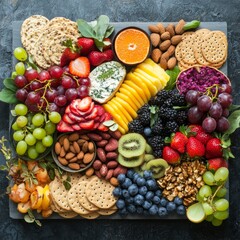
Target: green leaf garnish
column 173, row 77
column 9, row 84
column 8, row 96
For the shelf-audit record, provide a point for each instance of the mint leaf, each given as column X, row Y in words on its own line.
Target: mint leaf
column 109, row 31
column 9, row 84
column 85, row 29
column 173, row 77
column 8, row 96
column 101, row 27
column 234, row 121
column 233, row 107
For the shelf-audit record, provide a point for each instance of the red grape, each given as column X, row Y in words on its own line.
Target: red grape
column 60, row 100
column 82, row 91
column 33, row 98
column 222, row 124
column 60, row 90
column 55, row 71
column 225, row 112
column 42, row 104
column 55, row 83
column 84, row 81
column 31, row 74
column 67, row 82
column 71, row 94
column 51, row 94
column 35, row 85
column 21, row 94
column 192, row 96
column 66, row 69
column 74, row 84
column 44, row 75
column 209, row 124
column 52, row 107
column 215, row 110
column 225, row 88
column 20, row 81
column 225, row 99
column 194, row 115
column 204, row 103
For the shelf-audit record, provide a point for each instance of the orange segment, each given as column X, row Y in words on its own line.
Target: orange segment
column 132, row 46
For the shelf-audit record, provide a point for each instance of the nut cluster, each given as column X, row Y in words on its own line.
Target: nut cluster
column 164, row 41
column 183, row 181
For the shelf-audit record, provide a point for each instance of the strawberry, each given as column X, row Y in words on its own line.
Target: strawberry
column 76, row 127
column 171, row 155
column 214, row 148
column 96, row 58
column 196, row 128
column 64, row 127
column 67, row 110
column 86, row 44
column 100, row 109
column 195, row 148
column 92, row 115
column 102, row 128
column 96, row 125
column 107, row 43
column 85, row 104
column 81, row 113
column 203, row 137
column 76, row 118
column 107, row 116
column 70, row 53
column 179, row 142
column 80, row 67
column 215, row 163
column 87, row 125
column 67, row 119
column 108, row 55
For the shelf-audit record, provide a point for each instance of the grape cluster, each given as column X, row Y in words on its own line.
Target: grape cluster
column 140, row 195
column 210, row 109
column 50, row 89
column 33, row 133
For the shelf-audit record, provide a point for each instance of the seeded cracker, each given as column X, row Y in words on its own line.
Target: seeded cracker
column 187, row 50
column 70, row 214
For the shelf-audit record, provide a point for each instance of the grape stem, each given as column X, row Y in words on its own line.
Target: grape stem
column 215, row 193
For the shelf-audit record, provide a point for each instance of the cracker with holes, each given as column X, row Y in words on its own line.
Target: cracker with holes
column 99, row 193
column 70, row 214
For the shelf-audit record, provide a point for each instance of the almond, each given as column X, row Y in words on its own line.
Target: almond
column 88, row 157
column 76, row 147
column 85, row 137
column 81, row 142
column 74, row 166
column 114, row 181
column 171, row 63
column 71, row 148
column 155, row 39
column 62, row 152
column 66, row 144
column 69, row 155
column 73, row 137
column 80, row 155
column 60, row 140
column 63, row 161
column 165, row 45
column 171, row 50
column 179, row 27
column 89, row 172
column 153, row 28
column 156, row 54
column 57, row 148
column 163, row 63
column 170, row 28
column 165, row 36
column 74, row 159
column 176, row 39
column 85, row 147
column 166, row 55
column 161, row 28
column 91, row 147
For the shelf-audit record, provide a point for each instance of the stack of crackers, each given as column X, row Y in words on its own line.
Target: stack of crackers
column 43, row 38
column 88, row 197
column 202, row 47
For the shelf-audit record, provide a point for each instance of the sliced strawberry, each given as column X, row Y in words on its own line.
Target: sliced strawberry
column 100, row 109
column 102, row 128
column 80, row 67
column 64, row 127
column 85, row 104
column 67, row 119
column 67, row 110
column 96, row 125
column 108, row 116
column 97, row 119
column 92, row 115
column 76, row 118
column 88, row 111
column 87, row 125
column 76, row 127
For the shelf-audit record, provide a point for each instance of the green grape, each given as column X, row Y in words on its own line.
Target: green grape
column 216, row 222
column 20, row 68
column 39, row 133
column 222, row 204
column 21, row 147
column 208, row 178
column 221, row 174
column 14, row 74
column 38, row 119
column 40, row 148
column 50, row 128
column 47, row 141
column 22, row 121
column 18, row 135
column 207, row 208
column 209, row 218
column 30, row 139
column 221, row 192
column 15, row 127
column 54, row 117
column 205, row 191
column 200, row 199
column 20, row 54
column 21, row 109
column 32, row 152
column 221, row 215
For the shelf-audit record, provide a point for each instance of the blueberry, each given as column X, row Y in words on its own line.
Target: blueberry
column 129, row 200
column 171, row 206
column 178, row 201
column 145, row 212
column 117, row 192
column 149, row 195
column 123, row 212
column 156, row 200
column 120, row 204
column 162, row 211
column 146, row 205
column 127, row 183
column 121, row 178
column 163, row 202
column 181, row 210
column 130, row 173
column 139, row 210
column 133, row 190
column 125, row 193
column 143, row 190
column 131, row 208
column 135, row 177
column 158, row 193
column 141, row 181
column 147, row 131
column 147, row 174
column 151, row 184
column 138, row 200
column 153, row 210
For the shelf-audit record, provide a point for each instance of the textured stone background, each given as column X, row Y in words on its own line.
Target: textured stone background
column 123, row 10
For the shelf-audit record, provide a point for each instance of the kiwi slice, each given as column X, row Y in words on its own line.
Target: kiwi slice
column 148, row 149
column 131, row 162
column 157, row 166
column 131, row 145
column 148, row 157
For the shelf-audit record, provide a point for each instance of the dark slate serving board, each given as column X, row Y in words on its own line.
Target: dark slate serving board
column 222, row 26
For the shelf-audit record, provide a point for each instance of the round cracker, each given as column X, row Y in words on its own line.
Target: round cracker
column 178, row 53
column 70, row 214
column 106, row 212
column 214, row 46
column 187, row 34
column 187, row 50
column 99, row 192
column 92, row 215
column 61, row 21
column 75, row 177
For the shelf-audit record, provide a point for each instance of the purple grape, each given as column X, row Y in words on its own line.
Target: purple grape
column 204, row 103
column 191, row 97
column 225, row 88
column 21, row 94
column 225, row 112
column 215, row 110
column 222, row 124
column 225, row 99
column 209, row 124
column 194, row 115
column 71, row 94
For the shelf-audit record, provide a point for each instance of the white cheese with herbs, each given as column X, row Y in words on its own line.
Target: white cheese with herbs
column 106, row 80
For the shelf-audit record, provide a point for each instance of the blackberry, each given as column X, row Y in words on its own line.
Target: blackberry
column 152, row 101
column 156, row 142
column 135, row 126
column 168, row 103
column 167, row 113
column 157, row 153
column 181, row 117
column 172, row 126
column 144, row 109
column 161, row 97
column 158, row 127
column 144, row 118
